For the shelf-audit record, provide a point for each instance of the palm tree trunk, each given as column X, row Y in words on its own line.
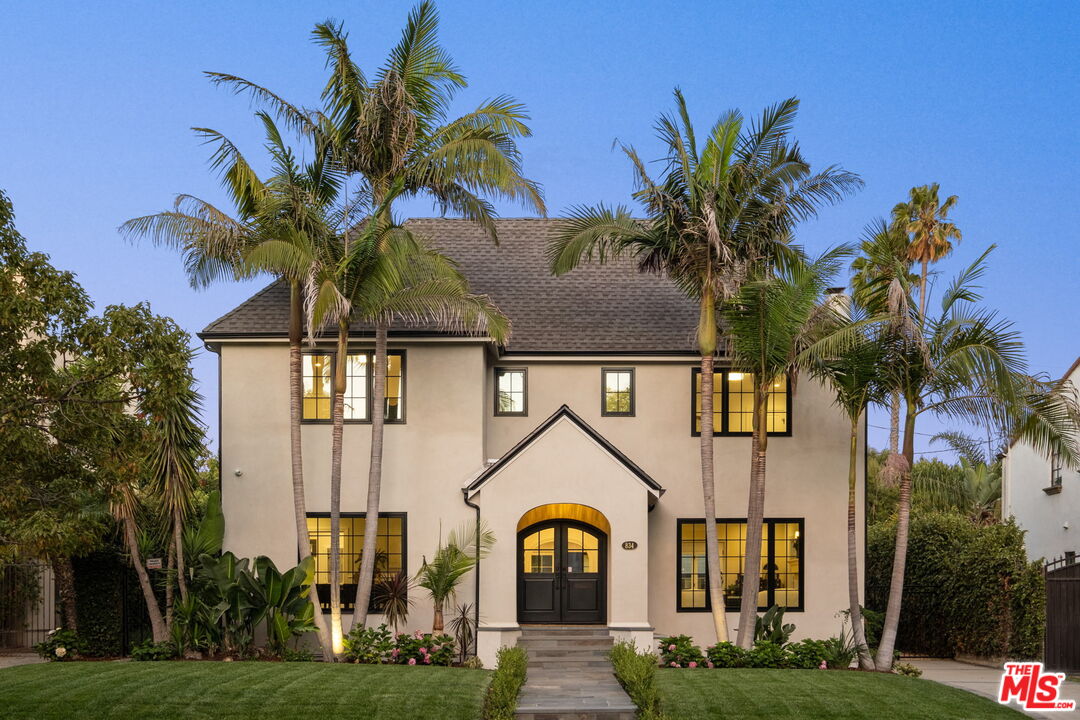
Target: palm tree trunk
column 371, row 517
column 884, row 659
column 181, row 571
column 170, row 565
column 337, row 413
column 894, row 423
column 854, row 608
column 157, row 623
column 922, row 292
column 437, row 620
column 296, row 397
column 708, row 489
column 755, row 514
column 64, row 573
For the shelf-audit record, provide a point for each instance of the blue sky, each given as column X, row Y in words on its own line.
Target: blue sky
column 97, row 99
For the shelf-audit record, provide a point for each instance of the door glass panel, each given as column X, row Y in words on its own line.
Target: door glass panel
column 582, row 551
column 539, row 551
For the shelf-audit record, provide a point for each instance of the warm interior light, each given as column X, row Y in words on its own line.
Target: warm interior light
column 796, row 534
column 735, row 377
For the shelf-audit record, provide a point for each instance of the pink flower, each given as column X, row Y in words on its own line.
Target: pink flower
column 395, row 652
column 674, row 664
column 418, row 635
column 423, row 651
column 693, row 664
column 711, row 666
column 671, row 647
column 823, row 666
column 427, row 659
column 412, row 661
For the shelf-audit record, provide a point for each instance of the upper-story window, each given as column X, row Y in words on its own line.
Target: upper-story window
column 1055, row 470
column 318, row 374
column 733, row 404
column 511, row 391
column 617, row 391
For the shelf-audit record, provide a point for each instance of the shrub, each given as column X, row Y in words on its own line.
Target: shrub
column 297, row 655
column 423, row 649
column 907, row 669
column 840, row 651
column 770, row 627
column 149, row 651
column 728, row 655
column 500, row 702
column 370, row 646
column 767, row 655
column 60, row 645
column 636, row 672
column 806, row 655
column 680, row 651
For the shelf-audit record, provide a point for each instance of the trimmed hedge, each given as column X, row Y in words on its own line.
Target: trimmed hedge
column 109, row 604
column 967, row 589
column 500, row 703
column 636, row 672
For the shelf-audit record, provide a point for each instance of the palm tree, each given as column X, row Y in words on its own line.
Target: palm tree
column 719, row 211
column 451, row 562
column 284, row 217
column 967, row 364
column 883, row 258
column 925, row 217
column 771, row 320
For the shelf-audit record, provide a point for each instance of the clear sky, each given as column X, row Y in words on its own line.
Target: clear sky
column 96, row 102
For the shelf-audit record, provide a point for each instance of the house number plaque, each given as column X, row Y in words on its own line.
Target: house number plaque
column 629, row 545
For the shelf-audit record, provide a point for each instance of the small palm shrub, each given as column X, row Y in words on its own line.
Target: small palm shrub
column 636, row 672
column 840, row 651
column 679, row 651
column 500, row 703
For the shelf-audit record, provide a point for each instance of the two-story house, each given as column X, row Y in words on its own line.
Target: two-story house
column 577, row 444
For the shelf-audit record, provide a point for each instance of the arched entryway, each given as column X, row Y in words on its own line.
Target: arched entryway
column 562, row 565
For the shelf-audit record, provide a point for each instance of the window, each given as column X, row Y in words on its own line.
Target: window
column 617, row 390
column 511, row 392
column 1055, row 470
column 390, row 553
column 318, row 373
column 733, row 405
column 780, row 578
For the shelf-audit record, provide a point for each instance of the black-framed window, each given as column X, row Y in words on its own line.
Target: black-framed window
column 318, row 374
column 511, row 391
column 391, row 553
column 780, row 578
column 1056, row 469
column 733, row 404
column 617, row 392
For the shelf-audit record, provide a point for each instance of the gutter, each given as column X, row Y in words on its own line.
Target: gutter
column 476, row 599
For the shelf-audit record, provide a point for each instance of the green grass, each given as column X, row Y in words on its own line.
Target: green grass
column 238, row 691
column 818, row 694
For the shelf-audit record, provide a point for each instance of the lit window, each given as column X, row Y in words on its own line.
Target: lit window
column 389, row 553
column 1055, row 469
column 733, row 404
column 356, row 387
column 618, row 391
column 779, row 578
column 317, row 371
column 510, row 391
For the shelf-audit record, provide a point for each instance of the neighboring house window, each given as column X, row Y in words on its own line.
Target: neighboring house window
column 390, row 553
column 617, row 391
column 733, row 404
column 511, row 392
column 1055, row 470
column 318, row 372
column 780, row 577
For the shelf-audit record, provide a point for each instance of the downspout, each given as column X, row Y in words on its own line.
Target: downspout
column 476, row 597
column 217, row 352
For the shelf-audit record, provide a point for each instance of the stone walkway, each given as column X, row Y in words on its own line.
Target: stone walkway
column 984, row 681
column 19, row 659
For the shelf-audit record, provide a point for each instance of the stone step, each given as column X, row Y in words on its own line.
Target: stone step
column 584, row 643
column 570, row 666
column 553, row 653
column 565, row 631
column 576, row 714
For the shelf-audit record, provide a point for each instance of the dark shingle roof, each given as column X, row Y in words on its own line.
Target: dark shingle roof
column 611, row 308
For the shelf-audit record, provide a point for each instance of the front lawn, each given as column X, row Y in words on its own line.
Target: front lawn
column 238, row 691
column 818, row 694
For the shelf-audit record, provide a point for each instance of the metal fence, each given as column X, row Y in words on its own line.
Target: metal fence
column 1062, row 642
column 28, row 608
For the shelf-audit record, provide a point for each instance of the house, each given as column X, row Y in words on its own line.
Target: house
column 576, row 444
column 1043, row 495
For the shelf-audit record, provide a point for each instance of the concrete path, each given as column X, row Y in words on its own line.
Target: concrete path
column 19, row 659
column 984, row 681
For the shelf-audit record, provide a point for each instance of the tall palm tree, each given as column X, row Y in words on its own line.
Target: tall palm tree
column 770, row 321
column 883, row 258
column 925, row 217
column 720, row 210
column 284, row 216
column 967, row 364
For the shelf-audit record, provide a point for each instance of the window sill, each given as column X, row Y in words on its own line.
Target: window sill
column 1052, row 490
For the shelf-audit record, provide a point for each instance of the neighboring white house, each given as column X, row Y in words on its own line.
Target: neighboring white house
column 1043, row 495
column 577, row 442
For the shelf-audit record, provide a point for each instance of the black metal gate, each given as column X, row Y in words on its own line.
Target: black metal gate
column 27, row 605
column 1062, row 648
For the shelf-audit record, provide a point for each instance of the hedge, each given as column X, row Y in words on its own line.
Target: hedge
column 967, row 589
column 109, row 604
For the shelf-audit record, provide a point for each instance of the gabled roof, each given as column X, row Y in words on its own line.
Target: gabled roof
column 565, row 412
column 595, row 309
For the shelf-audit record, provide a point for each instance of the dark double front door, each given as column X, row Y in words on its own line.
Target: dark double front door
column 561, row 573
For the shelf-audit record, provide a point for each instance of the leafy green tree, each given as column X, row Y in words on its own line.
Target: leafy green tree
column 721, row 211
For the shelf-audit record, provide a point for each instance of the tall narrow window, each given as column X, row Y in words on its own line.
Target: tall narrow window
column 511, row 391
column 390, row 553
column 733, row 404
column 395, row 406
column 317, row 372
column 1055, row 470
column 356, row 387
column 617, row 389
column 779, row 578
